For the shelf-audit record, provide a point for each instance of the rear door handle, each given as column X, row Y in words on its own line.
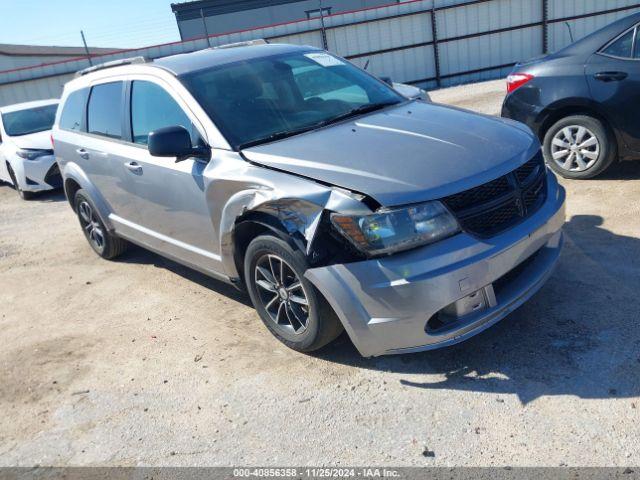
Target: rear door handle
column 611, row 76
column 83, row 153
column 134, row 167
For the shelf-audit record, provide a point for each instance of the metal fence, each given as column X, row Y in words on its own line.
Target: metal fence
column 430, row 43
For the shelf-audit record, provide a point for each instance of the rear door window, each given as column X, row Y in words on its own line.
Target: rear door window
column 73, row 110
column 622, row 46
column 152, row 108
column 104, row 115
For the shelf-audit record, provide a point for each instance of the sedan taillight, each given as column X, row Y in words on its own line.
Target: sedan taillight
column 516, row 80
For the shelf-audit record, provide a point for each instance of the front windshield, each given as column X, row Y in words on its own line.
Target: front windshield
column 30, row 120
column 263, row 99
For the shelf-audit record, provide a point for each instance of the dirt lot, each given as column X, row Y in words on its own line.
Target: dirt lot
column 143, row 362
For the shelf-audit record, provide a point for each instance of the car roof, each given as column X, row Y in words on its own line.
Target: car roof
column 202, row 59
column 23, row 106
column 593, row 42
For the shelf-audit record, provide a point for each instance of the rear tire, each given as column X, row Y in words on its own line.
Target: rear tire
column 579, row 147
column 104, row 243
column 288, row 304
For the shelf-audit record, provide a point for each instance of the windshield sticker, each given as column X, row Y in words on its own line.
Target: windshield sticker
column 324, row 59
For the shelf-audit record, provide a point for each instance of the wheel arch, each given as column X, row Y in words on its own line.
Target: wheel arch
column 10, row 174
column 74, row 180
column 255, row 223
column 560, row 110
column 15, row 170
column 71, row 187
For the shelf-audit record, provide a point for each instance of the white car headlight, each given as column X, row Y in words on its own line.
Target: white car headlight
column 390, row 231
column 32, row 153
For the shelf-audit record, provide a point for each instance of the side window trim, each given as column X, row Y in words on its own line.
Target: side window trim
column 85, row 110
column 126, row 112
column 602, row 49
column 127, row 125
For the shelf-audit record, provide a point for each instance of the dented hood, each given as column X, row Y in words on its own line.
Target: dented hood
column 405, row 154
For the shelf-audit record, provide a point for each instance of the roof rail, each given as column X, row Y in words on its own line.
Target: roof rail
column 248, row 43
column 111, row 64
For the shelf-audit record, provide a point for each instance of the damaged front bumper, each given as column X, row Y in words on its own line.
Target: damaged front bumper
column 444, row 293
column 38, row 175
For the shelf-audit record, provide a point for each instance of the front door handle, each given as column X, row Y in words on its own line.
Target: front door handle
column 83, row 153
column 134, row 167
column 611, row 76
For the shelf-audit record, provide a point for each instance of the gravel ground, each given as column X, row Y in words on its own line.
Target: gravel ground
column 143, row 362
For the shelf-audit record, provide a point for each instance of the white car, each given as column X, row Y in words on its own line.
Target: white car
column 27, row 160
column 409, row 91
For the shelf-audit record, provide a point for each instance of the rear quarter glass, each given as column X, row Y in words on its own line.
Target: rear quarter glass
column 73, row 110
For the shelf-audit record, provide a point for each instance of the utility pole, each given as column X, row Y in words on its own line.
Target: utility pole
column 324, row 31
column 86, row 49
column 204, row 24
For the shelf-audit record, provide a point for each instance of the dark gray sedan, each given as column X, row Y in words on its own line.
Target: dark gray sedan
column 582, row 102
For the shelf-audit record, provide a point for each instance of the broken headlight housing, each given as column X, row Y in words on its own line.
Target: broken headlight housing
column 394, row 230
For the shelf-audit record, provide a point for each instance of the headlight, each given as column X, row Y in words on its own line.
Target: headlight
column 390, row 231
column 32, row 154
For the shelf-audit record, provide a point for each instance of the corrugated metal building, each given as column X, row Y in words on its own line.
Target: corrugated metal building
column 425, row 42
column 17, row 56
column 209, row 17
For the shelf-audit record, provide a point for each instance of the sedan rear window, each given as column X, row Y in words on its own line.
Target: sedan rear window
column 30, row 120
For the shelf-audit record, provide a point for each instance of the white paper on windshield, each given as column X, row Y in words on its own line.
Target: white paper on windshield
column 324, row 59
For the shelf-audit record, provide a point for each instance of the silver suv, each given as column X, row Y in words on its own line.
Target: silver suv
column 335, row 201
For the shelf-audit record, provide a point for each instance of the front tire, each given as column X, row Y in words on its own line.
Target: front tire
column 579, row 147
column 23, row 195
column 104, row 243
column 288, row 304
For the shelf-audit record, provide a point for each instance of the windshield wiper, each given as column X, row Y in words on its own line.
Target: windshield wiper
column 366, row 108
column 277, row 136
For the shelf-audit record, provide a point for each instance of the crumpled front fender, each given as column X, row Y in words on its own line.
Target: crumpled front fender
column 296, row 202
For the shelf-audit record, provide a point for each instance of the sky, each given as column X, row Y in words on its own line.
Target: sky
column 106, row 23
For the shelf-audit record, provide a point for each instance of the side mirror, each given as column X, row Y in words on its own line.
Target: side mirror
column 174, row 142
column 387, row 80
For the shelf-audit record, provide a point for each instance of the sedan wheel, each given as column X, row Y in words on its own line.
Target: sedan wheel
column 579, row 146
column 575, row 148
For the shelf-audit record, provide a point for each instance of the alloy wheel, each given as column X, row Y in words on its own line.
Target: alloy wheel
column 91, row 225
column 575, row 148
column 282, row 294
